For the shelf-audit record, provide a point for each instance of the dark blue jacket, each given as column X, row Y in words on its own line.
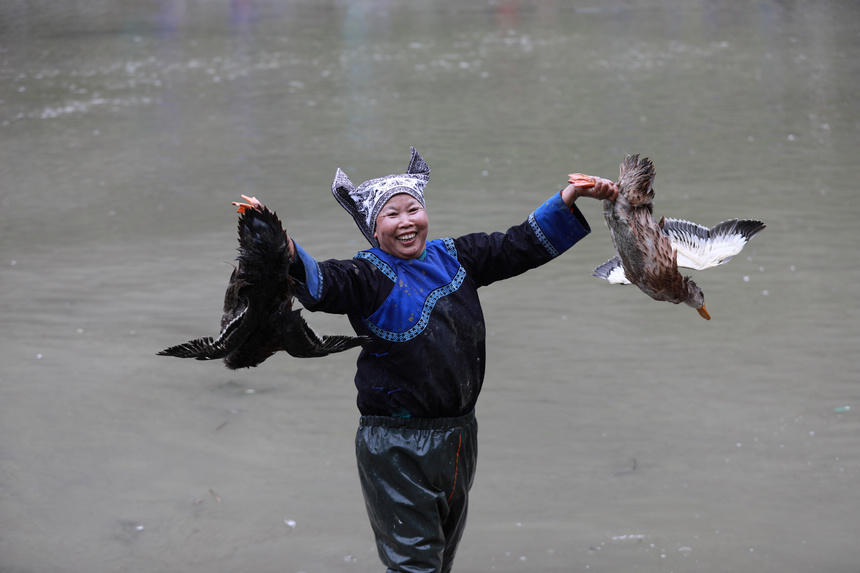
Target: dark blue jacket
column 427, row 352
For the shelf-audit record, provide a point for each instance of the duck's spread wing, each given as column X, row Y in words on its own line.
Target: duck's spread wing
column 701, row 248
column 201, row 348
column 612, row 271
column 300, row 340
column 208, row 349
column 232, row 336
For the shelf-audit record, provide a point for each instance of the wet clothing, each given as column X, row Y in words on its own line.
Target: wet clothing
column 419, row 378
column 416, row 474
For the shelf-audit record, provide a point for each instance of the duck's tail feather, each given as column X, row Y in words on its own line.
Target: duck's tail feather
column 612, row 271
column 635, row 181
column 262, row 238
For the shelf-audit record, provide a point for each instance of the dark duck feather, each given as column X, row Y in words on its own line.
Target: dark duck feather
column 649, row 252
column 258, row 318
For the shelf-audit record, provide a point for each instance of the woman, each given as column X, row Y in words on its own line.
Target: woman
column 419, row 378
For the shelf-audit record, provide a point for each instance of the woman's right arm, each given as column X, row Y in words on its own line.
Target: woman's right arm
column 351, row 286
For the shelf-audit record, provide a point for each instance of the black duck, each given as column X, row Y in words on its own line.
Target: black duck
column 258, row 318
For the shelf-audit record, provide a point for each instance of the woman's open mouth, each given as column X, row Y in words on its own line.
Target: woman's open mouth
column 407, row 237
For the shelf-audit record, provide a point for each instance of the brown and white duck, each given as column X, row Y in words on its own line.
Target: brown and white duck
column 258, row 318
column 650, row 252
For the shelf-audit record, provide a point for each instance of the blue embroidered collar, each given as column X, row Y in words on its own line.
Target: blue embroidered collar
column 418, row 286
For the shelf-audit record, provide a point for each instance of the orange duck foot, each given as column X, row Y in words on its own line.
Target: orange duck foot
column 252, row 203
column 581, row 180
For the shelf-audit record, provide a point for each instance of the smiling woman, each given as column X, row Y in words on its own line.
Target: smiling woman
column 401, row 227
column 420, row 373
column 126, row 128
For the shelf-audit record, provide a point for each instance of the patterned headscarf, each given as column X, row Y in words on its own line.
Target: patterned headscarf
column 365, row 201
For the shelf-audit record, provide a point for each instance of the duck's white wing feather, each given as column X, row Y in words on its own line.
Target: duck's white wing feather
column 612, row 271
column 701, row 248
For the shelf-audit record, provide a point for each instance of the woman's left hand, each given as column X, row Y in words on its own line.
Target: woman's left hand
column 581, row 185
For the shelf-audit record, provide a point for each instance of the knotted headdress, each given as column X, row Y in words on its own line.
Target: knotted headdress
column 365, row 201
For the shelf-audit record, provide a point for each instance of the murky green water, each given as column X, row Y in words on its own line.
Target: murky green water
column 618, row 434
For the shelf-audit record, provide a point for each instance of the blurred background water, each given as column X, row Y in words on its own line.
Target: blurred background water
column 618, row 434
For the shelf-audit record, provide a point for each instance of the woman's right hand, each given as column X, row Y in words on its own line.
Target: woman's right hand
column 252, row 203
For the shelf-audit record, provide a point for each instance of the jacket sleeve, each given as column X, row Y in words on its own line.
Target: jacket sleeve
column 340, row 287
column 548, row 232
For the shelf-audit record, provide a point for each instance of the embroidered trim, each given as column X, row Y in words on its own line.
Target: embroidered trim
column 449, row 245
column 378, row 263
column 429, row 303
column 319, row 283
column 542, row 237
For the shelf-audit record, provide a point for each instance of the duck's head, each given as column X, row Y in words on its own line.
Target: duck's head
column 695, row 298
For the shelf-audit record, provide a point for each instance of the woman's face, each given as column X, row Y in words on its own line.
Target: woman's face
column 401, row 227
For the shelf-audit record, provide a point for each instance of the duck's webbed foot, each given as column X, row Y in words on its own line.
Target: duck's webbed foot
column 252, row 203
column 581, row 180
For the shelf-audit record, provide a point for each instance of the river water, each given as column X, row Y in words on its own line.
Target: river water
column 617, row 433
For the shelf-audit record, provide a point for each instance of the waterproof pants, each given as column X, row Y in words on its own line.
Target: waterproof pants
column 415, row 475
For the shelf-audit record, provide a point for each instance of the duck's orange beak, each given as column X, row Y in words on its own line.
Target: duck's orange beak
column 703, row 312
